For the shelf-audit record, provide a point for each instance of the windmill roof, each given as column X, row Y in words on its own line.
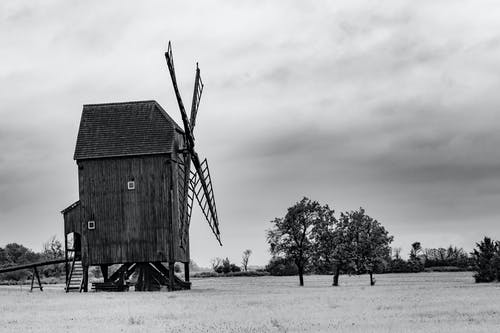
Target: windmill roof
column 70, row 207
column 124, row 129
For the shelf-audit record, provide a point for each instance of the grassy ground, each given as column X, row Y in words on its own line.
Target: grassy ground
column 423, row 302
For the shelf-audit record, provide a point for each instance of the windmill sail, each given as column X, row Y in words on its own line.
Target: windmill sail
column 204, row 194
column 198, row 89
column 186, row 196
column 206, row 199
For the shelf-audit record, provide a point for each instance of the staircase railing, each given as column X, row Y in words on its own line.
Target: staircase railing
column 71, row 273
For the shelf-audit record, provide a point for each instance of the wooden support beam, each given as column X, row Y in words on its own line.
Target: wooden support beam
column 123, row 268
column 171, row 276
column 32, row 279
column 104, row 271
column 186, row 271
column 35, row 273
column 36, row 264
column 85, row 280
column 66, row 268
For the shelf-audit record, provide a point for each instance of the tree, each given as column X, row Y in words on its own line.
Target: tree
column 53, row 249
column 245, row 258
column 364, row 242
column 3, row 257
column 18, row 254
column 414, row 263
column 292, row 237
column 330, row 253
column 485, row 258
column 215, row 262
column 416, row 249
column 397, row 252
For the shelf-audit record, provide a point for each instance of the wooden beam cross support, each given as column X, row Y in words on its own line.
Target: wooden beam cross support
column 35, row 273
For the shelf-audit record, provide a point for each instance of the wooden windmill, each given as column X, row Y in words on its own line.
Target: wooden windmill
column 136, row 189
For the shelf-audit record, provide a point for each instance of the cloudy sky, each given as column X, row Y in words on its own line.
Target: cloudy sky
column 388, row 105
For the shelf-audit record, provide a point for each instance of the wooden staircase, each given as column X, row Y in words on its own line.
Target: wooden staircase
column 75, row 280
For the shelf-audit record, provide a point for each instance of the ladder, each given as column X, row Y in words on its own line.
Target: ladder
column 75, row 280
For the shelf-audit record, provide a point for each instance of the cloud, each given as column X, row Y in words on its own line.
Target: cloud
column 387, row 105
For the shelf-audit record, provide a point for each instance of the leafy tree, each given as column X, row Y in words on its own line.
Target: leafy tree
column 292, row 236
column 18, row 254
column 397, row 252
column 245, row 258
column 325, row 247
column 53, row 249
column 485, row 258
column 3, row 257
column 415, row 264
column 364, row 242
column 416, row 249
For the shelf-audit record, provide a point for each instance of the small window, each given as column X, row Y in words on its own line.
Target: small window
column 91, row 225
column 131, row 185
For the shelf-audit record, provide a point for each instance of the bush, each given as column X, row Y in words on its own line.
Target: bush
column 282, row 267
column 445, row 269
column 230, row 274
column 206, row 275
column 226, row 267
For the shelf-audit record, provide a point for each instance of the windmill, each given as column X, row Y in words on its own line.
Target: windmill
column 196, row 183
column 138, row 176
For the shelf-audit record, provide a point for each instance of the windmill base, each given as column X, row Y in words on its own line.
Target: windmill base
column 151, row 276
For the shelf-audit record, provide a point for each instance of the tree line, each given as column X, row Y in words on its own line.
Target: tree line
column 15, row 254
column 310, row 239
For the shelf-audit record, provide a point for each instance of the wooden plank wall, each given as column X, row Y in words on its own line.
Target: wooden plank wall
column 130, row 225
column 72, row 221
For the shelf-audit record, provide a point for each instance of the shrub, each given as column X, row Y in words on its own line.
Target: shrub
column 230, row 274
column 226, row 266
column 444, row 269
column 282, row 267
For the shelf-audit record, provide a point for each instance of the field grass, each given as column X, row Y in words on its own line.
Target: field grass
column 423, row 302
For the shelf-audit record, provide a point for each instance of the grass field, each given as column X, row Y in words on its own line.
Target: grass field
column 423, row 302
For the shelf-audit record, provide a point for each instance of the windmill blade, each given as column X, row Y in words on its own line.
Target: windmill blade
column 187, row 128
column 198, row 89
column 201, row 184
column 186, row 196
column 204, row 194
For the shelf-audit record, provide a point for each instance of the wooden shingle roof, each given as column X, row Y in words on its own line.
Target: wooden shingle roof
column 124, row 129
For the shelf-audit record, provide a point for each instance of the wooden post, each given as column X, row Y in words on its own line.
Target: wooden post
column 140, row 283
column 32, row 279
column 171, row 276
column 336, row 272
column 66, row 256
column 104, row 270
column 38, row 278
column 35, row 273
column 171, row 206
column 186, row 271
column 85, row 282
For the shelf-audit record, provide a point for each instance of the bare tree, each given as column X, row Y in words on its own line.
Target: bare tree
column 244, row 259
column 215, row 262
column 397, row 252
